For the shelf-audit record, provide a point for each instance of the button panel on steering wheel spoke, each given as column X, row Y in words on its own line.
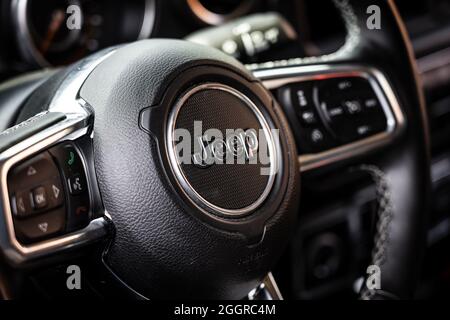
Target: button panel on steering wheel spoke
column 49, row 194
column 333, row 110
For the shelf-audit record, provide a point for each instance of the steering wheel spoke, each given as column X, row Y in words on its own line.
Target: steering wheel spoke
column 50, row 201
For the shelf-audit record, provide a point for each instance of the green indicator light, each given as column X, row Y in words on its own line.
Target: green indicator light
column 71, row 158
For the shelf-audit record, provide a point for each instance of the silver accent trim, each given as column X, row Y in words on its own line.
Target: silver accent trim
column 183, row 182
column 66, row 99
column 207, row 16
column 28, row 51
column 148, row 23
column 275, row 78
column 267, row 290
column 73, row 127
column 434, row 61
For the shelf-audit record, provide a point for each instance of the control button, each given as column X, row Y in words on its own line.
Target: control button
column 302, row 99
column 78, row 209
column 67, row 157
column 307, row 117
column 76, row 184
column 40, row 226
column 47, row 196
column 355, row 129
column 302, row 96
column 39, row 196
column 355, row 86
column 332, row 110
column 335, row 112
column 71, row 165
column 28, row 186
column 317, row 136
column 352, row 106
column 316, row 140
column 55, row 192
column 371, row 103
column 79, row 213
column 363, row 130
column 344, row 84
column 21, row 204
column 32, row 172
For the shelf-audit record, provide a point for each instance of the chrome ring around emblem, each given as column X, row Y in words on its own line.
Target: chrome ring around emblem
column 175, row 165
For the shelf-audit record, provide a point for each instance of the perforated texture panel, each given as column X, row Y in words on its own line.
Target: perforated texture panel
column 228, row 186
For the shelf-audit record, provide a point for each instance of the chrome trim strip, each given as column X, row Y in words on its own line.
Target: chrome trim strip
column 148, row 23
column 174, row 161
column 267, row 290
column 275, row 78
column 29, row 52
column 434, row 61
column 66, row 98
column 212, row 18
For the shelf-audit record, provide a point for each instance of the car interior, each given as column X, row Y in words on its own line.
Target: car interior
column 225, row 149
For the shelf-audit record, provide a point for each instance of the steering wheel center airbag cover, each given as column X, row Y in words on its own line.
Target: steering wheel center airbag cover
column 232, row 164
column 168, row 243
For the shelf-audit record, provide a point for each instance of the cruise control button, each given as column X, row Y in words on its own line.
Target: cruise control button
column 301, row 96
column 332, row 111
column 352, row 106
column 307, row 117
column 363, row 130
column 302, row 99
column 335, row 112
column 316, row 140
column 353, row 86
column 371, row 103
column 317, row 136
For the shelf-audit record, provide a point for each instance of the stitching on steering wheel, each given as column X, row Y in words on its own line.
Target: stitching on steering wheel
column 351, row 41
column 384, row 215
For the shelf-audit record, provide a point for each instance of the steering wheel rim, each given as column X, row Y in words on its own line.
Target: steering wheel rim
column 403, row 169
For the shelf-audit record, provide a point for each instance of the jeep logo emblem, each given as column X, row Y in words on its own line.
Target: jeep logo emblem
column 241, row 146
column 217, row 142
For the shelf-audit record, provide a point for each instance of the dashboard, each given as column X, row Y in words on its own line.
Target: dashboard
column 58, row 32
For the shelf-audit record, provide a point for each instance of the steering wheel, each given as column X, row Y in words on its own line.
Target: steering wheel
column 129, row 150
